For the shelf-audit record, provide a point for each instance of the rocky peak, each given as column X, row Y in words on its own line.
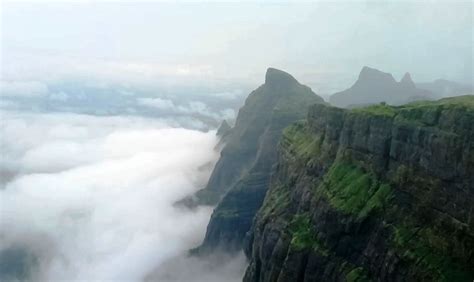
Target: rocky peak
column 224, row 129
column 278, row 78
column 368, row 74
column 407, row 81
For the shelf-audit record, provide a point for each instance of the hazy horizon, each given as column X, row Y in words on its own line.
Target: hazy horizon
column 323, row 44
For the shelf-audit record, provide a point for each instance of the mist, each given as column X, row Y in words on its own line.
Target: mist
column 92, row 198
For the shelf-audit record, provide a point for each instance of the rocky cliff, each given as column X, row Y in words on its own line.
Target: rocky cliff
column 379, row 193
column 240, row 178
column 374, row 86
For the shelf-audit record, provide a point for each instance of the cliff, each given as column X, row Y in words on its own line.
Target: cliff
column 374, row 86
column 240, row 178
column 380, row 193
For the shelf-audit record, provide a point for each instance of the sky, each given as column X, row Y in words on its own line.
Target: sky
column 324, row 44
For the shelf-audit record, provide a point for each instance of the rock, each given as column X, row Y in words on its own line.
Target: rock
column 374, row 86
column 379, row 193
column 224, row 129
column 241, row 176
column 407, row 82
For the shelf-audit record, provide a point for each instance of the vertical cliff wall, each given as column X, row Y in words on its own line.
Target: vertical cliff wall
column 380, row 193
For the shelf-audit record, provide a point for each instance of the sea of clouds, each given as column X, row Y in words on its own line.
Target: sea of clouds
column 93, row 157
column 87, row 197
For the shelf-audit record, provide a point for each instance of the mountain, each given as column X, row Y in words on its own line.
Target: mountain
column 224, row 129
column 445, row 88
column 240, row 178
column 374, row 86
column 379, row 193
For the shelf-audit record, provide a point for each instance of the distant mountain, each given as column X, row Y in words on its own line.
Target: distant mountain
column 374, row 86
column 446, row 88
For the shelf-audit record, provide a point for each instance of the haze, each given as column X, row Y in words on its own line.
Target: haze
column 325, row 44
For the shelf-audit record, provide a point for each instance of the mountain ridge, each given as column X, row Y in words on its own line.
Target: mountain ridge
column 374, row 86
column 244, row 169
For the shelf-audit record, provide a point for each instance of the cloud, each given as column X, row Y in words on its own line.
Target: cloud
column 189, row 108
column 23, row 88
column 59, row 96
column 91, row 198
column 159, row 103
column 216, row 267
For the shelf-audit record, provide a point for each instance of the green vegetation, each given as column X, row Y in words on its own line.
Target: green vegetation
column 379, row 110
column 354, row 191
column 423, row 113
column 425, row 248
column 304, row 235
column 463, row 101
column 276, row 200
column 300, row 141
column 357, row 275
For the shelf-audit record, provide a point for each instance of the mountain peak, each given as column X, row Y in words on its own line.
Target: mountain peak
column 224, row 129
column 370, row 74
column 278, row 77
column 407, row 81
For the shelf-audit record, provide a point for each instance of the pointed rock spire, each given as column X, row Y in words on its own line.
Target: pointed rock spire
column 406, row 81
column 224, row 129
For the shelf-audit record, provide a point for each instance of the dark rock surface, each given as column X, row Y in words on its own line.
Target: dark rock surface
column 240, row 179
column 380, row 193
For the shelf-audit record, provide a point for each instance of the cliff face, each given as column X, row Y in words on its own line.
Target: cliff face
column 240, row 178
column 380, row 193
column 374, row 86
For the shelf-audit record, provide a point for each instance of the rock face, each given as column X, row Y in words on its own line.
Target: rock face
column 224, row 129
column 240, row 178
column 374, row 86
column 407, row 82
column 379, row 193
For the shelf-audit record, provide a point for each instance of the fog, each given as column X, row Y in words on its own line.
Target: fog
column 92, row 198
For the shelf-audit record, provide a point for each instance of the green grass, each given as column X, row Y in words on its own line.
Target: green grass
column 304, row 235
column 423, row 247
column 379, row 110
column 420, row 112
column 357, row 275
column 300, row 141
column 355, row 191
column 276, row 200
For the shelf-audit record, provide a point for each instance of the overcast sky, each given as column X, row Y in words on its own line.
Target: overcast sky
column 237, row 41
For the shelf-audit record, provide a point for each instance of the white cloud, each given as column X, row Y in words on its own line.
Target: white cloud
column 162, row 104
column 99, row 192
column 23, row 88
column 59, row 96
column 190, row 108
